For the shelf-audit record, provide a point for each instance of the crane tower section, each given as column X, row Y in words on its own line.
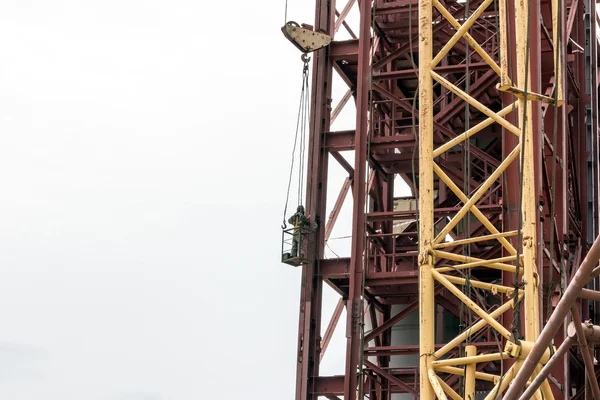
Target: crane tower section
column 487, row 110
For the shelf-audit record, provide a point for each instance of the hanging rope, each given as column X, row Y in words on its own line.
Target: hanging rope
column 299, row 140
column 305, row 116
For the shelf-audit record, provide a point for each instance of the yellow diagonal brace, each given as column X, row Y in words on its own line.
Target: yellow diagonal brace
column 471, row 304
column 519, row 93
column 449, row 391
column 460, row 31
column 476, row 239
column 471, row 360
column 474, row 328
column 507, row 378
column 493, row 115
column 472, row 262
column 435, row 383
column 484, row 55
column 482, row 263
column 483, row 376
column 478, row 214
column 492, row 287
column 478, row 194
column 477, row 128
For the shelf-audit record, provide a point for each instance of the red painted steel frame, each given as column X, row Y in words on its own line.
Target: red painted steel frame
column 380, row 270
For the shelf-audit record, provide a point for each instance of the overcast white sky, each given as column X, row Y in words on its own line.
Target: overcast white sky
column 144, row 148
column 144, row 153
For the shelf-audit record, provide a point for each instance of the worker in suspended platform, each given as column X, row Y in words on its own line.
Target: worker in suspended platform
column 301, row 223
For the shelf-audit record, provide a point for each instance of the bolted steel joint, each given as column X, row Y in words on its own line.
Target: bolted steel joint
column 426, row 258
column 522, row 351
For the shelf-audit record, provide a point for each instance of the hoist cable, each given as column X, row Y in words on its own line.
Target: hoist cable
column 301, row 174
column 303, row 140
column 298, row 125
column 306, row 119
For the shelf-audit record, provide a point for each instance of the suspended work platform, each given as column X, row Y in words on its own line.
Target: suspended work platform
column 296, row 249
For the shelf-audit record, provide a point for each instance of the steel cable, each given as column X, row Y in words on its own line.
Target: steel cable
column 299, row 125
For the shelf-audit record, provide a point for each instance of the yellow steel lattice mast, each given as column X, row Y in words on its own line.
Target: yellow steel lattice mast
column 432, row 244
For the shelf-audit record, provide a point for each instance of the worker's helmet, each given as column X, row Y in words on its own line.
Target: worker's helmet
column 300, row 209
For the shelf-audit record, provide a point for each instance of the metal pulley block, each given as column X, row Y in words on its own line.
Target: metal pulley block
column 304, row 38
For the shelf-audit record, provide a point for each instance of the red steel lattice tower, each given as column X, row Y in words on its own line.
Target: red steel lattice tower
column 440, row 89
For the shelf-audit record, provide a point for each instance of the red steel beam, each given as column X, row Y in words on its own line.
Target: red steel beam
column 390, row 277
column 391, row 378
column 447, row 69
column 309, row 324
column 336, row 208
column 354, row 305
column 332, row 325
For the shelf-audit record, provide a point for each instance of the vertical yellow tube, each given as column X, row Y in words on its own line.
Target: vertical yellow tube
column 426, row 283
column 502, row 18
column 470, row 374
column 530, row 275
column 556, row 38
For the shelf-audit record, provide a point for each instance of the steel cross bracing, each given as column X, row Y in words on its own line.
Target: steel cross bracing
column 467, row 190
column 518, row 259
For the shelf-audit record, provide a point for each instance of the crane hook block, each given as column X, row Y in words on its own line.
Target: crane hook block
column 304, row 38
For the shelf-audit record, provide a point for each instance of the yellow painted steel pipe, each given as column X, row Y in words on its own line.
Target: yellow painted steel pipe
column 472, row 305
column 483, row 376
column 476, row 239
column 504, row 55
column 484, row 55
column 496, row 263
column 449, row 391
column 479, row 193
column 435, row 383
column 470, row 132
column 507, row 378
column 471, row 352
column 492, row 287
column 428, row 387
column 478, row 105
column 476, row 212
column 466, row 259
column 474, row 328
column 471, row 359
column 460, row 32
column 556, row 35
